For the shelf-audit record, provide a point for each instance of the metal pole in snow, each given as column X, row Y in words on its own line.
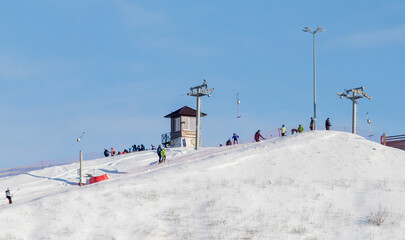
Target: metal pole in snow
column 81, row 168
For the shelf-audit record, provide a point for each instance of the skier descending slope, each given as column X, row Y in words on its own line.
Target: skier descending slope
column 8, row 196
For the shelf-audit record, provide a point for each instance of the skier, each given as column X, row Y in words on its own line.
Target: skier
column 300, row 129
column 112, row 151
column 283, row 131
column 235, row 139
column 153, row 147
column 258, row 136
column 228, row 143
column 327, row 124
column 159, row 151
column 8, row 196
column 311, row 124
column 163, row 154
column 125, row 151
column 106, row 152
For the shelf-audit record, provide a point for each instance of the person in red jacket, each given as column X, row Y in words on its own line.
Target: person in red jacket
column 258, row 136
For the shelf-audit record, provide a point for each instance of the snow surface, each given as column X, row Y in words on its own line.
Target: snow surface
column 315, row 185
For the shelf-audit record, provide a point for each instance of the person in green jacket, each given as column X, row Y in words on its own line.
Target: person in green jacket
column 300, row 128
column 163, row 156
column 283, row 130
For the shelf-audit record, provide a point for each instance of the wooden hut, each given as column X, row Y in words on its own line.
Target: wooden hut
column 183, row 126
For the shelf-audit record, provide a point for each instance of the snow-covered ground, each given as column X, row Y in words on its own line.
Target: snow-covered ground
column 316, row 185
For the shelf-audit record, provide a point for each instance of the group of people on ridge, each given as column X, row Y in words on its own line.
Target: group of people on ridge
column 133, row 148
column 300, row 128
column 283, row 132
column 161, row 152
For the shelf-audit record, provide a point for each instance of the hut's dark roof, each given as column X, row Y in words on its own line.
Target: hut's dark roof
column 184, row 111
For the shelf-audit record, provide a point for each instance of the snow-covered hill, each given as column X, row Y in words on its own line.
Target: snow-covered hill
column 316, row 185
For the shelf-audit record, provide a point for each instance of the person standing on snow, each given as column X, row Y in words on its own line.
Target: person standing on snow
column 163, row 154
column 106, row 152
column 258, row 136
column 158, row 151
column 311, row 124
column 283, row 130
column 8, row 196
column 228, row 143
column 300, row 129
column 327, row 124
column 235, row 139
column 112, row 151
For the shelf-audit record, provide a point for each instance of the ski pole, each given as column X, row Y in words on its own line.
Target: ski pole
column 15, row 192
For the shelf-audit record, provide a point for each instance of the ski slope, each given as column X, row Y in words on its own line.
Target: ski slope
column 315, row 185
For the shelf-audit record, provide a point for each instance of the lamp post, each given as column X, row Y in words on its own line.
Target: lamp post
column 319, row 29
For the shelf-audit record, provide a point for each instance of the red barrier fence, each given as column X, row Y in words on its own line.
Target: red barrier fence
column 98, row 178
column 397, row 141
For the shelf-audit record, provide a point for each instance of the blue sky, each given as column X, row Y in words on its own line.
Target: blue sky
column 113, row 69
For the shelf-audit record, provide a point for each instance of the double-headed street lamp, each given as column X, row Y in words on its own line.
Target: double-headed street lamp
column 319, row 29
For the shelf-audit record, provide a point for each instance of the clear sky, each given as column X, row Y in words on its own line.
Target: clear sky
column 114, row 69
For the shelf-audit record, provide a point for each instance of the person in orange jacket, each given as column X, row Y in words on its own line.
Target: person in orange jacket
column 112, row 151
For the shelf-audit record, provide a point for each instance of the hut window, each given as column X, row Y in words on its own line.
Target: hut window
column 189, row 123
column 176, row 124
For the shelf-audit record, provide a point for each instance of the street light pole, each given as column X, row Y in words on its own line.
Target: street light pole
column 319, row 29
column 314, row 84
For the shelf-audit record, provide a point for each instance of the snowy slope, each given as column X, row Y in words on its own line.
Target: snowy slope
column 316, row 185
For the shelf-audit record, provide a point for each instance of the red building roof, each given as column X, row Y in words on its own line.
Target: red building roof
column 184, row 111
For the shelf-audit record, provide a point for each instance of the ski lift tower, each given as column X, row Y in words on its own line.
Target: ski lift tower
column 198, row 92
column 356, row 94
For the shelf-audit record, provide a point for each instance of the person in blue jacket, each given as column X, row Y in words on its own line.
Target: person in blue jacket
column 235, row 139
